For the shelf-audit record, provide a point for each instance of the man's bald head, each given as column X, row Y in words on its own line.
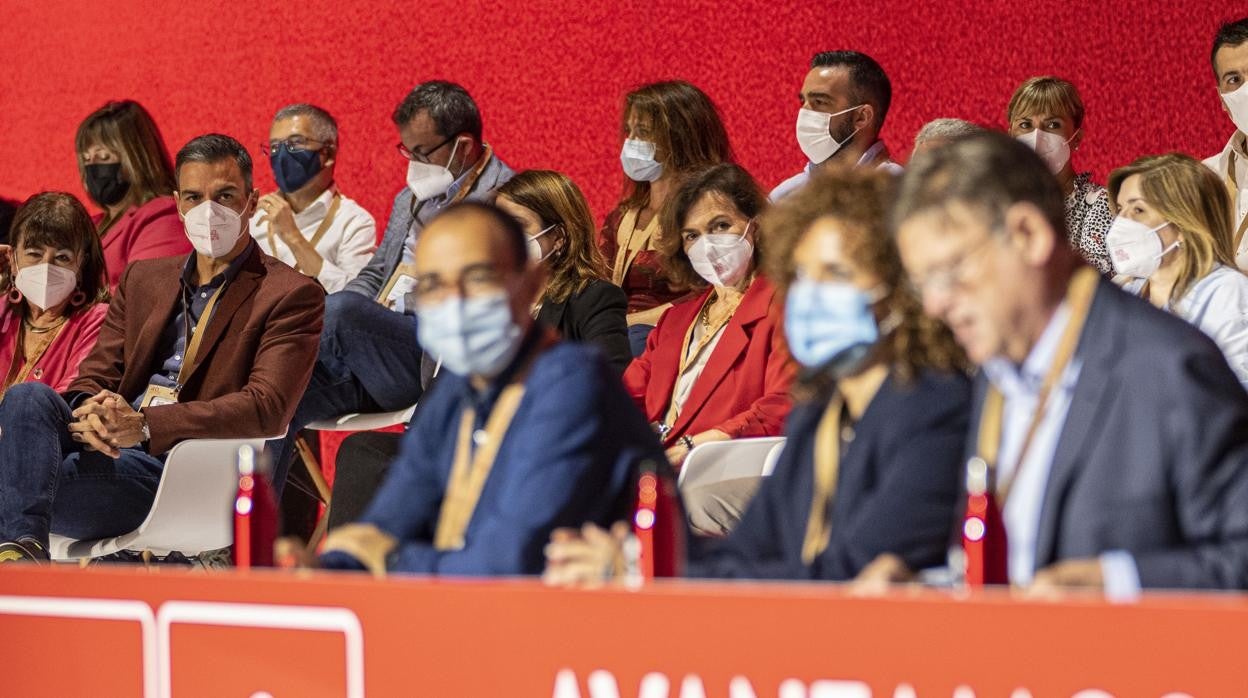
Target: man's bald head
column 476, row 225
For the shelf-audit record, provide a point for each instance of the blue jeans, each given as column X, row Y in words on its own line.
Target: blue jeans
column 637, row 335
column 49, row 483
column 369, row 361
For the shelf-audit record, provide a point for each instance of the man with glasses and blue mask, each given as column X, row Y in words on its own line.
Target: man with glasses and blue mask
column 521, row 434
column 369, row 361
column 307, row 223
column 1111, row 437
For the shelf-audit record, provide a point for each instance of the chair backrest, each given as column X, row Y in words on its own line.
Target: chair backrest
column 773, row 457
column 194, row 504
column 727, row 460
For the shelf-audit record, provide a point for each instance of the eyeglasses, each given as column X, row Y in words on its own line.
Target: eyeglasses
column 952, row 274
column 474, row 281
column 294, row 144
column 418, row 156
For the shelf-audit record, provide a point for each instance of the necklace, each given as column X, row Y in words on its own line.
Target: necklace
column 34, row 329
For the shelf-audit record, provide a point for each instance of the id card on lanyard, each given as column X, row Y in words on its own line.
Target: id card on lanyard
column 157, row 395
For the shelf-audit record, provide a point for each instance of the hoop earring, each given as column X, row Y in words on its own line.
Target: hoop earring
column 15, row 296
column 78, row 298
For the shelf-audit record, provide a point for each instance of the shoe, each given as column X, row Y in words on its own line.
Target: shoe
column 23, row 550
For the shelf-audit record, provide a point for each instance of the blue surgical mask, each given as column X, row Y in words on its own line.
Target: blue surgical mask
column 823, row 320
column 293, row 170
column 471, row 337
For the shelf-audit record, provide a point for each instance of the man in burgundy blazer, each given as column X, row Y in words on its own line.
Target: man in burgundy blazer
column 86, row 463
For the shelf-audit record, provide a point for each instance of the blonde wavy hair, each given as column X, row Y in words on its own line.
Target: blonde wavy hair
column 1191, row 198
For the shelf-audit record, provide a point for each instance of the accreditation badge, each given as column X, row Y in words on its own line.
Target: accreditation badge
column 158, row 395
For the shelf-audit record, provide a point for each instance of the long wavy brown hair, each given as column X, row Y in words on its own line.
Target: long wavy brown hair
column 685, row 127
column 559, row 202
column 859, row 202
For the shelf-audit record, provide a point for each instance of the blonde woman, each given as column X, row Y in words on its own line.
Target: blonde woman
column 1047, row 114
column 1171, row 245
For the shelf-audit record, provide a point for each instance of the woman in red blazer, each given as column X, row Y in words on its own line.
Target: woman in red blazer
column 716, row 367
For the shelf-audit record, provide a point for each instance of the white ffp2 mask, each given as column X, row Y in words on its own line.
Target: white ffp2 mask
column 1052, row 148
column 722, row 258
column 1237, row 103
column 45, row 285
column 427, row 180
column 1134, row 248
column 213, row 228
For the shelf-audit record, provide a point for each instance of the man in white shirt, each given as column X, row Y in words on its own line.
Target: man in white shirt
column 1230, row 67
column 844, row 100
column 307, row 223
column 1115, row 433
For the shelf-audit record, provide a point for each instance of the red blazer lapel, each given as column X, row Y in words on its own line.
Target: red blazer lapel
column 736, row 338
column 666, row 360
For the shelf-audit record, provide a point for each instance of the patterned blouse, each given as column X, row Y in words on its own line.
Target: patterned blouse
column 1087, row 221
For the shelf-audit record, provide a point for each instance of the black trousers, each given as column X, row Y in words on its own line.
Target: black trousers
column 363, row 460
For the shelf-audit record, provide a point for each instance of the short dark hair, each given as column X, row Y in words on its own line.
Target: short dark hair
column 59, row 220
column 988, row 172
column 516, row 240
column 450, row 106
column 324, row 127
column 728, row 180
column 214, row 147
column 1231, row 33
column 868, row 83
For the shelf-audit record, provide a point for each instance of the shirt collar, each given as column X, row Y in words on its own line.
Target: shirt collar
column 1014, row 380
column 317, row 209
column 231, row 271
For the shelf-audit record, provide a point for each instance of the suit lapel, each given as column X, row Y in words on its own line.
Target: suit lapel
column 730, row 346
column 165, row 290
column 552, row 314
column 237, row 292
column 1098, row 347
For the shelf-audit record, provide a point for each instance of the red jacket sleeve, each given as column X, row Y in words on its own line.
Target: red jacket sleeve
column 765, row 416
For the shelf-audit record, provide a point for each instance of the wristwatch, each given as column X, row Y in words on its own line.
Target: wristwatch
column 687, row 441
column 147, row 431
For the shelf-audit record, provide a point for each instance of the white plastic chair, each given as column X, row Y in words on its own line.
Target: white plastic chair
column 727, row 460
column 193, row 511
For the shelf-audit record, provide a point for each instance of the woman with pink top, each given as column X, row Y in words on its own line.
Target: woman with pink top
column 126, row 170
column 55, row 292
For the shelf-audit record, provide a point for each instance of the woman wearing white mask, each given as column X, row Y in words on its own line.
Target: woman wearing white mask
column 1171, row 244
column 577, row 300
column 55, row 287
column 1047, row 113
column 871, row 468
column 670, row 129
column 716, row 367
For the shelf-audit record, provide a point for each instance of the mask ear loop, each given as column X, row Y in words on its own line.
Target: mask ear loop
column 889, row 322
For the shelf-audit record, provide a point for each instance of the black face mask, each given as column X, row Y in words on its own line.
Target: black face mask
column 104, row 183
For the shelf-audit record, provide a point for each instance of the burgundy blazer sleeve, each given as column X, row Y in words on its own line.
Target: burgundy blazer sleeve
column 765, row 416
column 279, row 374
column 104, row 365
column 607, row 241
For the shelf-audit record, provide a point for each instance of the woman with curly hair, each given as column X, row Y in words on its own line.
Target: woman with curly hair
column 871, row 466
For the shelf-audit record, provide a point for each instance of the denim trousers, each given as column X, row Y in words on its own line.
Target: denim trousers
column 369, row 361
column 50, row 483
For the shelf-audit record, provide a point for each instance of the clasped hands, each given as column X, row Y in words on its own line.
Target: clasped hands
column 105, row 422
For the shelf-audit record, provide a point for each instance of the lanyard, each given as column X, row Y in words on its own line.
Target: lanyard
column 320, row 229
column 470, row 470
column 1079, row 295
column 1232, row 186
column 688, row 358
column 18, row 375
column 630, row 245
column 195, row 337
column 827, row 469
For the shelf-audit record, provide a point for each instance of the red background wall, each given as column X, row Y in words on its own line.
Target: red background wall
column 550, row 75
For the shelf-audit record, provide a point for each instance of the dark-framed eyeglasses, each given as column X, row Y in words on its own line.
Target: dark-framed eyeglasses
column 417, row 156
column 294, row 144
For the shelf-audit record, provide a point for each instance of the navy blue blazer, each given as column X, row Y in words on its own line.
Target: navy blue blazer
column 897, row 489
column 569, row 457
column 1153, row 457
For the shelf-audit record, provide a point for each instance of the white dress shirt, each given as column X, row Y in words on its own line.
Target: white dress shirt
column 800, row 179
column 1020, row 386
column 1237, row 150
column 345, row 247
column 1218, row 305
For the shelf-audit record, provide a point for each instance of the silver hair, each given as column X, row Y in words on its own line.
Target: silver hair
column 946, row 129
column 324, row 128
